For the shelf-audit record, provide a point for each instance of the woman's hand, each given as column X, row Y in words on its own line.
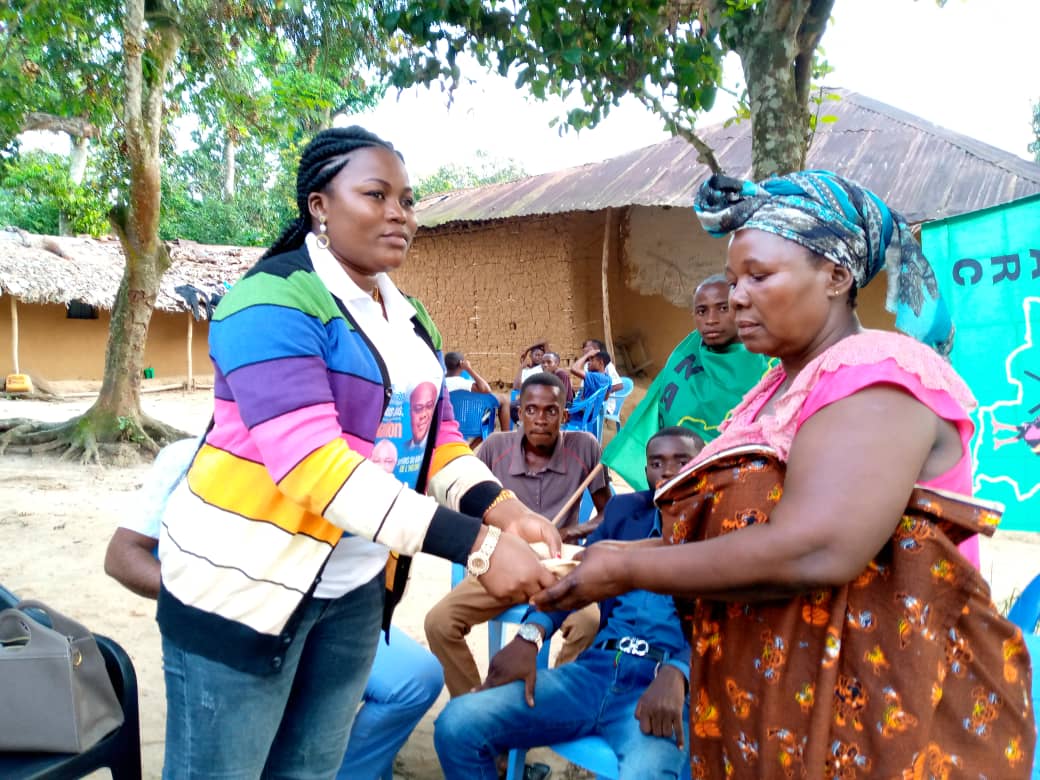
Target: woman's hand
column 603, row 573
column 515, row 518
column 516, row 572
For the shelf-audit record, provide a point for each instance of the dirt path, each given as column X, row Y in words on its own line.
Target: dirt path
column 55, row 523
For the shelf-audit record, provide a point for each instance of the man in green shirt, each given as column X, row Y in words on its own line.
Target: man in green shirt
column 705, row 376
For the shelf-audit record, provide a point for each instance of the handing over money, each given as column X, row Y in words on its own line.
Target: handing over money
column 559, row 566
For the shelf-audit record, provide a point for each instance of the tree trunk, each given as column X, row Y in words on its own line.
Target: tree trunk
column 117, row 412
column 78, row 159
column 779, row 123
column 776, row 42
column 120, row 394
column 229, row 168
column 77, row 170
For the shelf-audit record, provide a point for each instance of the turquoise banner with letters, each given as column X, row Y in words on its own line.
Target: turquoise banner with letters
column 988, row 265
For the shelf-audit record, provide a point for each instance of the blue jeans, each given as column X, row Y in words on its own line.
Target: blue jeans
column 596, row 694
column 224, row 723
column 406, row 680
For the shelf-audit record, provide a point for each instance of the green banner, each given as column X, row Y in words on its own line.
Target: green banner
column 988, row 264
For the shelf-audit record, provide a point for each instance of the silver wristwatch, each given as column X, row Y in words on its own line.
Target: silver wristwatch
column 531, row 633
column 480, row 561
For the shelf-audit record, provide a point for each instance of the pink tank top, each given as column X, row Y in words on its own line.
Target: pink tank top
column 854, row 363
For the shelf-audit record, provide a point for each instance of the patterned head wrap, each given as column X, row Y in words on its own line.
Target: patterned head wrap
column 846, row 224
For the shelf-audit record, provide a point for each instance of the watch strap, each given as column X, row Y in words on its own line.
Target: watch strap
column 480, row 561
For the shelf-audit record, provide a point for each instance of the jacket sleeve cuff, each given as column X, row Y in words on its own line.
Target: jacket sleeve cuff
column 454, row 480
column 451, row 535
column 478, row 498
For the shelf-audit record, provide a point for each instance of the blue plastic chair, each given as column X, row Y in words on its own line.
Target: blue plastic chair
column 592, row 754
column 1025, row 613
column 617, row 400
column 514, row 397
column 475, row 412
column 587, row 414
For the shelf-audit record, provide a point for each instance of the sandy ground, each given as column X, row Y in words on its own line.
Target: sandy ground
column 56, row 519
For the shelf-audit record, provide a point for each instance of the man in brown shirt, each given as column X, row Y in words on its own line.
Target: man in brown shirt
column 544, row 466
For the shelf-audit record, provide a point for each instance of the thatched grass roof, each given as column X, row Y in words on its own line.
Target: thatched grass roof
column 59, row 269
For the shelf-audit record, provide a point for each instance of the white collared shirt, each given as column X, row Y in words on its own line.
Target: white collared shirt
column 409, row 361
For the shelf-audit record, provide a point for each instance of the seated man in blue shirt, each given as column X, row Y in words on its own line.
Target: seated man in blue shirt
column 593, row 376
column 628, row 688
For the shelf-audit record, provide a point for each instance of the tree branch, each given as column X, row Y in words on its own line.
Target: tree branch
column 705, row 153
column 810, row 32
column 77, row 127
column 133, row 49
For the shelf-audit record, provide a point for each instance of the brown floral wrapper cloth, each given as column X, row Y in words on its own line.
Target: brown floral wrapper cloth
column 909, row 671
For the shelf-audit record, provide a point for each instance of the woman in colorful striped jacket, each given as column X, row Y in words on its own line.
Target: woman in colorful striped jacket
column 280, row 550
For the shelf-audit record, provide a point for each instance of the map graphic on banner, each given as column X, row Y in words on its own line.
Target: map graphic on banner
column 988, row 266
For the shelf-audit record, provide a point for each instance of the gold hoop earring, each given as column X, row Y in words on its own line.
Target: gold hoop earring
column 323, row 234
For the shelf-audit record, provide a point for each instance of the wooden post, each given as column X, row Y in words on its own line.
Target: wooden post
column 191, row 324
column 608, row 233
column 14, row 332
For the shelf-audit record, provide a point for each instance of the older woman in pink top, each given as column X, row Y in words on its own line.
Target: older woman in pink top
column 838, row 631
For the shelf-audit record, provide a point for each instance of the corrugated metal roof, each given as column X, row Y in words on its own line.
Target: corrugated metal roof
column 918, row 168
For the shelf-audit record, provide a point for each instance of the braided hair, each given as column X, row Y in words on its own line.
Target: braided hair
column 325, row 156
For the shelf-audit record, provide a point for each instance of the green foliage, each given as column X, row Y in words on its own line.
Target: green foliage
column 276, row 71
column 59, row 57
column 35, row 189
column 457, row 177
column 194, row 205
column 598, row 51
column 665, row 53
column 251, row 218
column 264, row 75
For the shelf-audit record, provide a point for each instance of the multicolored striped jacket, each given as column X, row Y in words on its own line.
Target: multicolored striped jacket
column 282, row 474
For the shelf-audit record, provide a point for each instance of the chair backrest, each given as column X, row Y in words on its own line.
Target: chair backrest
column 514, row 400
column 1025, row 612
column 475, row 412
column 587, row 414
column 618, row 397
column 7, row 599
column 586, row 507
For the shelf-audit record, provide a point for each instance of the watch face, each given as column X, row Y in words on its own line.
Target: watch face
column 530, row 633
column 478, row 564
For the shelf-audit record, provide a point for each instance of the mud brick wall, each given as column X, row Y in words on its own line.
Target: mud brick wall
column 493, row 288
